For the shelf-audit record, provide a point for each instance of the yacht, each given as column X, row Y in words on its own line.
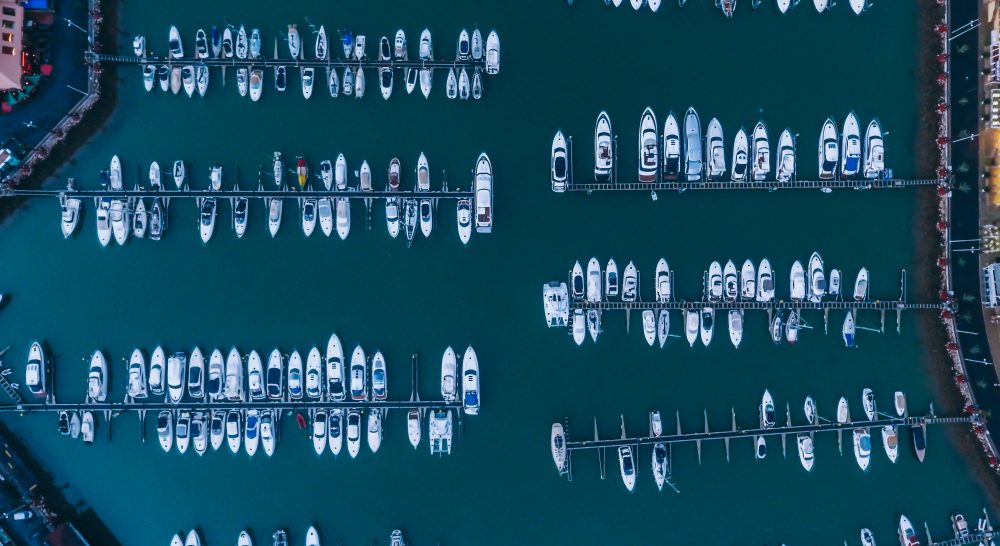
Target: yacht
column 817, row 278
column 731, row 282
column 139, row 219
column 593, row 324
column 308, row 77
column 308, row 205
column 322, row 45
column 426, row 51
column 216, row 375
column 848, row 329
column 188, row 79
column 359, row 82
column 714, row 288
column 294, row 41
column 413, row 426
column 379, row 379
column 736, row 327
column 314, row 374
column 335, row 430
column 267, row 432
column 834, row 285
column 579, row 326
column 294, row 382
column 767, row 415
column 392, row 203
column 256, row 84
column 251, row 431
column 626, row 462
column 850, row 147
column 867, row 538
column 786, row 157
column 348, row 87
column 765, row 282
column 227, row 50
column 716, row 150
column 196, row 374
column 868, row 401
column 385, row 73
column 234, row 434
column 335, row 370
column 919, row 433
column 374, row 429
column 557, row 443
column 353, row 432
column 449, row 372
column 760, row 447
column 691, row 325
column 630, row 283
column 118, row 215
column 577, row 282
column 470, row 382
column 874, row 151
column 492, row 53
column 484, row 194
column 199, row 432
column 900, row 403
column 36, row 373
column 255, row 375
column 312, row 535
column 862, row 447
column 165, row 429
column 157, row 371
column 359, row 387
column 671, row 148
column 477, row 45
column 748, row 281
column 806, row 456
column 176, row 366
column 104, row 221
column 907, row 534
column 741, row 156
column 603, row 152
column 242, row 45
column 649, row 153
column 207, row 218
column 275, row 376
column 279, row 538
column 70, row 216
column 693, row 159
column 233, row 386
column 594, row 292
column 319, row 423
column 829, row 152
column 201, row 79
column 649, row 326
column 861, row 285
column 707, row 325
column 182, row 431
column 843, row 411
column 332, row 82
column 663, row 327
column 797, row 282
column 175, row 45
column 761, row 166
column 664, row 283
column 559, row 164
column 890, row 441
column 792, row 327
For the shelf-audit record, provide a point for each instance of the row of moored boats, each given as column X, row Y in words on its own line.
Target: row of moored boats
column 728, row 7
column 278, row 538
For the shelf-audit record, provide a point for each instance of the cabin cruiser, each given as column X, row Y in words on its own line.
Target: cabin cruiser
column 907, row 534
column 426, row 53
column 761, row 165
column 70, row 214
column 379, row 388
column 196, row 374
column 449, row 385
column 649, row 152
column 313, row 375
column 890, row 441
column 671, row 148
column 593, row 324
column 900, row 403
column 760, row 447
column 359, row 387
column 577, row 282
column 176, row 373
column 806, row 455
column 767, row 416
column 741, row 157
column 308, row 205
column 392, row 203
column 322, row 45
column 201, row 79
column 862, row 447
column 359, row 82
column 649, row 326
column 275, row 376
column 164, row 76
column 736, row 327
column 118, row 215
column 353, row 432
column 385, row 73
column 348, row 87
column 560, row 163
column 413, row 426
column 233, row 386
column 148, row 76
column 603, row 152
column 251, row 431
column 335, row 430
column 335, row 370
column 611, row 287
column 319, row 423
column 241, row 45
column 817, row 278
column 267, row 431
column 256, row 384
column 777, row 328
column 848, row 329
column 207, row 218
column 786, row 157
column 731, row 282
column 850, row 147
column 199, row 432
column 861, row 285
column 691, row 326
column 874, row 151
column 630, row 283
column 188, row 79
column 104, row 221
column 716, row 150
column 765, row 282
column 959, row 526
column 579, row 326
column 868, row 400
column 693, row 160
column 165, row 429
column 470, row 382
column 234, row 434
column 626, row 462
column 492, row 53
column 294, row 41
column 797, row 282
column 594, row 291
column 829, row 152
column 707, row 325
column 175, row 45
column 374, row 429
column 182, row 431
column 714, row 288
column 139, row 46
column 792, row 327
column 843, row 411
column 748, row 281
column 484, row 194
column 834, row 283
column 867, row 538
column 36, row 374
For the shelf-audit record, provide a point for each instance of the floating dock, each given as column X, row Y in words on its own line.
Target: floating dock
column 769, row 185
column 232, row 194
column 261, row 62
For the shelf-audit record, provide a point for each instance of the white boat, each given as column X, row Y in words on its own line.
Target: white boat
column 322, row 46
column 267, row 428
column 353, row 432
column 227, row 43
column 693, row 153
column 792, row 327
column 862, row 447
column 36, row 374
column 691, row 325
column 241, row 43
column 233, row 385
column 412, row 76
column 449, row 371
column 797, row 282
column 70, row 215
column 426, row 217
column 295, row 371
column 319, row 424
column 359, row 373
column 241, row 212
column 850, row 147
column 900, row 403
column 176, row 373
column 868, row 401
column 294, row 41
column 104, row 221
column 188, row 79
column 324, row 210
column 636, row 4
column 392, row 203
column 335, row 430
column 557, row 444
column 594, row 292
column 374, row 429
column 484, row 194
column 308, row 205
column 332, row 82
column 379, row 387
column 201, row 44
column 907, row 534
column 861, row 285
column 255, row 375
column 256, row 83
column 748, row 281
column 707, row 325
column 175, row 79
column 470, row 382
column 201, row 79
column 182, row 431
column 242, row 80
column 477, row 45
column 426, row 54
column 119, row 216
column 809, row 408
column 464, row 48
column 630, row 283
column 649, row 326
column 730, row 281
column 451, row 86
column 829, row 151
column 848, row 330
column 163, row 75
column 175, row 45
column 761, row 149
column 611, row 284
column 140, row 219
column 463, row 210
column 603, row 154
column 890, row 442
column 335, row 388
column 821, row 5
column 765, row 282
column 593, row 324
column 760, row 447
column 817, row 278
column 735, row 327
column 139, row 46
column 165, row 430
column 464, row 85
column 806, row 455
column 157, row 371
column 148, row 76
column 560, row 163
column 716, row 150
column 834, row 285
column 314, row 375
column 234, row 433
column 671, row 148
column 874, row 151
column 274, row 206
column 193, row 538
column 196, row 374
column 579, row 326
column 741, row 157
column 492, row 53
column 626, row 462
column 359, row 82
column 308, row 77
column 207, row 218
column 359, row 47
column 251, row 431
column 413, row 427
column 312, row 537
column 767, row 414
column 843, row 411
column 714, row 288
column 663, row 327
column 786, row 157
column 399, row 46
column 199, row 432
column 649, row 150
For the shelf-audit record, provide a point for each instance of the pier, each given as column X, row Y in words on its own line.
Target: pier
column 769, row 185
column 850, row 305
column 261, row 62
column 233, row 194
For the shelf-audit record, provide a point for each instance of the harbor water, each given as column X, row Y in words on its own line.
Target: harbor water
column 560, row 66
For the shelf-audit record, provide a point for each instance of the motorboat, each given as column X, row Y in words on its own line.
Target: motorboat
column 761, row 149
column 256, row 84
column 829, row 151
column 809, row 408
column 560, row 163
column 874, row 151
column 919, row 433
column 890, row 442
column 410, row 219
column 157, row 219
column 463, row 85
column 274, row 206
column 843, row 411
column 626, row 462
column 959, row 526
column 385, row 73
column 175, row 79
column 312, row 536
column 477, row 45
column 280, row 77
column 241, row 43
column 848, row 329
column 163, row 75
column 786, row 157
column 594, row 293
column 256, row 384
column 451, row 85
column 671, row 148
column 347, row 42
column 359, row 82
column 822, row 5
column 603, row 152
column 463, row 210
column 104, row 221
column 630, row 283
column 207, row 218
column 817, row 278
column 834, row 285
column 777, row 328
column 691, row 325
column 861, row 285
column 767, row 414
column 308, row 205
column 464, row 48
column 867, row 538
column 335, row 369
column 862, row 447
column 736, row 326
column 374, row 429
column 392, row 203
column 301, row 172
column 294, row 41
column 413, row 427
column 760, row 448
column 36, row 373
column 492, row 53
column 165, row 430
column 707, row 325
column 449, row 373
column 234, row 433
column 714, row 288
column 579, row 323
column 335, row 430
column 322, row 46
column 716, row 148
column 649, row 326
column 900, row 403
column 241, row 211
column 201, row 44
column 593, row 324
column 557, row 444
column 806, row 455
column 731, row 281
column 353, row 432
column 470, row 382
column 850, row 147
column 251, row 431
column 907, row 534
column 857, row 6
column 199, row 432
column 359, row 387
column 308, row 77
column 233, row 383
column 148, row 76
column 379, row 377
column 792, row 327
column 319, row 424
column 426, row 217
column 314, row 374
column 242, row 80
column 484, row 194
column 399, row 46
column 227, row 43
column 359, row 47
column 797, row 282
column 649, row 150
column 119, row 217
column 295, row 375
column 157, row 371
column 139, row 46
column 196, row 374
column 343, row 210
column 201, row 79
column 182, row 431
column 477, row 85
column 412, row 75
column 279, row 538
column 741, row 156
column 611, row 286
column 193, row 538
column 176, row 374
column 748, row 281
column 188, row 79
column 175, row 45
column 267, row 432
column 693, row 160
column 868, row 400
column 332, row 82
column 426, row 51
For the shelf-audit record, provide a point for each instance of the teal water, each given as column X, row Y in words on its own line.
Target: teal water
column 560, row 67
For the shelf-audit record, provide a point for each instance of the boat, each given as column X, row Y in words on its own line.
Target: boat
column 399, row 46
column 199, row 432
column 314, row 374
column 308, row 79
column 353, row 432
column 175, row 79
column 410, row 219
column 593, row 324
column 335, row 430
column 207, row 218
column 821, row 5
column 594, row 292
column 412, row 75
column 900, row 402
column 321, row 49
column 201, row 44
column 176, row 373
column 274, row 206
column 735, row 327
column 777, row 328
column 451, row 86
column 312, row 537
column 359, row 82
column 707, row 325
column 36, row 374
column 413, row 426
column 242, row 80
column 464, row 217
column 907, row 534
column 267, row 428
column 157, row 219
column 343, row 206
column 630, row 283
column 848, row 329
column 201, row 79
column 649, row 151
column 484, row 194
column 691, row 325
column 792, row 327
column 182, row 431
column 477, row 85
column 449, row 385
column 731, row 281
column 148, row 76
column 741, row 156
column 862, row 447
column 861, row 285
column 139, row 46
column 857, row 6
column 557, row 444
column 241, row 43
column 335, row 369
column 560, row 163
column 767, row 415
column 118, row 215
column 649, row 326
column 374, row 429
column 603, row 154
column 463, row 85
column 175, row 45
column 817, row 278
column 359, row 388
column 806, row 455
column 714, row 288
column 626, row 462
column 104, row 222
column 693, row 160
column 233, row 385
column 385, row 73
column 295, row 388
column 797, row 282
column 959, row 526
column 867, row 538
column 241, row 211
column 868, row 400
column 392, row 203
column 874, row 151
column 359, row 47
column 671, row 148
column 890, row 441
column 760, row 447
column 196, row 374
column 834, row 290
column 332, row 81
column 251, row 432
column 611, row 286
column 319, row 424
column 256, row 385
column 786, row 157
column 843, row 411
column 919, row 433
column 426, row 51
column 70, row 215
column 280, row 73
column 188, row 79
column 761, row 149
column 244, row 539
column 165, row 429
column 301, row 172
column 850, row 147
column 492, row 53
column 748, row 281
column 829, row 152
column 308, row 205
column 579, row 326
column 279, row 538
column 379, row 378
column 163, row 75
column 227, row 43
column 193, row 539
column 256, row 84
column 716, row 149
column 464, row 48
column 294, row 41
column 809, row 408
column 233, row 433
column 470, row 382
column 157, row 371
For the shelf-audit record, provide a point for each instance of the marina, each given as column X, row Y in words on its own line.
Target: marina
column 728, row 7
column 278, row 538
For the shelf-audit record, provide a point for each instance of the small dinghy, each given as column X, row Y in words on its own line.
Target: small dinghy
column 806, row 455
column 693, row 160
column 671, row 148
column 741, row 157
column 829, row 152
column 649, row 326
column 874, row 152
column 761, row 149
column 716, row 150
column 748, row 281
column 850, row 147
column 463, row 85
column 786, row 157
column 492, row 53
column 861, row 285
column 649, row 150
column 707, row 325
column 603, row 155
column 691, row 326
column 451, row 87
column 736, row 327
